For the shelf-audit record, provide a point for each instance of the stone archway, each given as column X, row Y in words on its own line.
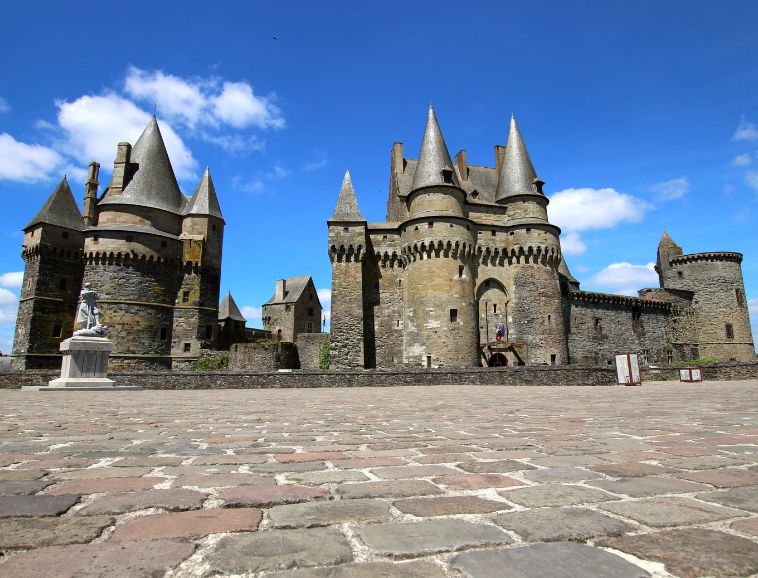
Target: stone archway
column 492, row 304
column 497, row 360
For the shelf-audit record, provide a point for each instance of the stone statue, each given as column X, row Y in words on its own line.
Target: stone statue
column 89, row 314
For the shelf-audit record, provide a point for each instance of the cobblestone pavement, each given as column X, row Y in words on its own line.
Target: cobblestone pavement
column 659, row 480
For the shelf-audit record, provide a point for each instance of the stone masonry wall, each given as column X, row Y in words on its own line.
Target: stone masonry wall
column 263, row 355
column 346, row 341
column 309, row 349
column 387, row 310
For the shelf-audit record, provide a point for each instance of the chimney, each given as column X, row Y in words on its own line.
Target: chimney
column 281, row 287
column 499, row 155
column 90, row 194
column 462, row 162
column 121, row 168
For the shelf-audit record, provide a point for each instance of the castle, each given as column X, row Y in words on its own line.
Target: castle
column 153, row 254
column 467, row 270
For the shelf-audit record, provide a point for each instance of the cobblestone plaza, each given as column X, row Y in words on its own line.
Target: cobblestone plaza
column 659, row 480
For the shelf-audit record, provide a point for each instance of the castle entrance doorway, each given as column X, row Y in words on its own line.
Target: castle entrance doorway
column 492, row 300
column 497, row 360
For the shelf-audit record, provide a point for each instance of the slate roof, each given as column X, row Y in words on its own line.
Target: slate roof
column 433, row 157
column 204, row 200
column 60, row 209
column 564, row 270
column 347, row 205
column 154, row 184
column 293, row 289
column 228, row 309
column 517, row 172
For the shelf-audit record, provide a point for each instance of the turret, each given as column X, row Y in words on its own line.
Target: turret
column 667, row 249
column 90, row 193
column 535, row 256
column 347, row 250
column 52, row 251
column 439, row 251
column 231, row 323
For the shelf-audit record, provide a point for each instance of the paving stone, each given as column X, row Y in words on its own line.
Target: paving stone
column 554, row 560
column 149, row 462
column 309, row 457
column 285, row 468
column 561, row 475
column 565, row 461
column 265, row 496
column 148, row 559
column 419, row 538
column 702, row 462
column 476, row 481
column 443, row 459
column 230, row 459
column 447, row 505
column 328, row 513
column 406, row 472
column 414, row 569
column 693, row 552
column 648, row 486
column 23, row 487
column 744, row 498
column 496, row 467
column 192, row 524
column 50, row 531
column 396, row 453
column 222, row 480
column 107, row 485
column 726, row 478
column 554, row 495
column 13, row 475
column 204, row 470
column 101, row 473
column 629, row 469
column 277, row 550
column 749, row 526
column 388, row 489
column 551, row 524
column 167, row 499
column 369, row 462
column 26, row 506
column 328, row 477
column 660, row 512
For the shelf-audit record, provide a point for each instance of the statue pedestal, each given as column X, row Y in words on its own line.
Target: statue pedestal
column 85, row 367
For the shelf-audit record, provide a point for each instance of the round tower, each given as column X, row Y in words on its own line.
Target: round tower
column 534, row 256
column 438, row 246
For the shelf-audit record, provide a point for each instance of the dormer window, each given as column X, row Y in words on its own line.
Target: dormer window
column 447, row 176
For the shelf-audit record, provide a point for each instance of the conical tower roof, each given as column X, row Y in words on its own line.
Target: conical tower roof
column 433, row 158
column 228, row 309
column 517, row 172
column 564, row 270
column 204, row 200
column 60, row 209
column 347, row 205
column 154, row 184
column 666, row 240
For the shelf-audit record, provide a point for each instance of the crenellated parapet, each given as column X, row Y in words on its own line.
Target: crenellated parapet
column 348, row 253
column 532, row 254
column 624, row 300
column 450, row 249
column 708, row 257
column 33, row 253
column 389, row 259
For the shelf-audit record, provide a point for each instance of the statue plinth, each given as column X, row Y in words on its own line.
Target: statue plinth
column 85, row 363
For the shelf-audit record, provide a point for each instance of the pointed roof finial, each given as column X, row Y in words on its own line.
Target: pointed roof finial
column 347, row 204
column 517, row 176
column 434, row 166
column 228, row 309
column 60, row 209
column 204, row 200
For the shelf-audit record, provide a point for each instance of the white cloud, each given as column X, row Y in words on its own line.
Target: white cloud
column 315, row 165
column 751, row 178
column 671, row 189
column 24, row 162
column 753, row 306
column 746, row 130
column 174, row 97
column 94, row 125
column 325, row 297
column 262, row 181
column 4, row 106
column 12, row 280
column 251, row 313
column 8, row 306
column 625, row 278
column 742, row 160
column 239, row 107
column 572, row 244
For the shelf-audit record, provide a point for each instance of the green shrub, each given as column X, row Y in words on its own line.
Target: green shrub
column 323, row 354
column 209, row 362
column 699, row 361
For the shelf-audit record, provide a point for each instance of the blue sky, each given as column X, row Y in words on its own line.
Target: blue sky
column 640, row 116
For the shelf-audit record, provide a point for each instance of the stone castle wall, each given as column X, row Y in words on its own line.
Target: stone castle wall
column 309, row 349
column 263, row 355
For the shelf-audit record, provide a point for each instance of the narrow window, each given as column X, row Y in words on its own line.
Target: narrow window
column 447, row 176
column 460, row 271
column 65, row 234
column 494, row 233
column 214, row 227
column 187, row 347
column 669, row 357
column 57, row 330
column 62, row 283
column 164, row 334
column 636, row 315
column 428, row 361
column 430, row 225
column 511, row 233
column 679, row 274
column 598, row 325
column 528, row 230
column 384, row 237
column 345, row 229
column 729, row 331
column 740, row 298
column 553, row 358
column 185, row 296
column 310, row 327
column 549, row 319
column 453, row 316
column 96, row 238
column 208, row 331
column 397, row 323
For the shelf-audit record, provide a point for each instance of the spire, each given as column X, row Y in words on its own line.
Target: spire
column 60, row 209
column 228, row 309
column 204, row 200
column 666, row 240
column 347, row 205
column 517, row 176
column 153, row 184
column 434, row 166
